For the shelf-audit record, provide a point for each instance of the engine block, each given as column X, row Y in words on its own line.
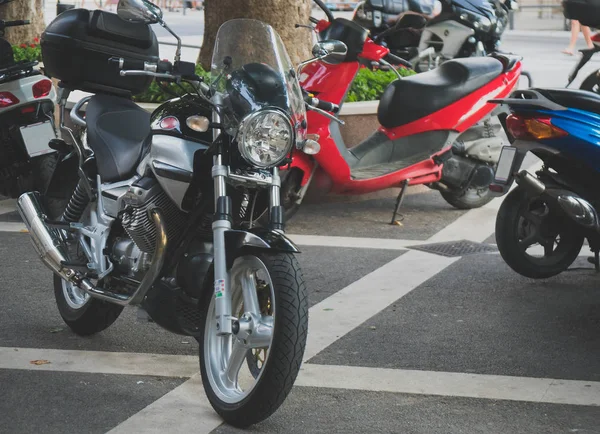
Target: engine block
column 139, row 200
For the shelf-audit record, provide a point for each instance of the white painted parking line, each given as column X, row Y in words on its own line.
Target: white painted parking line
column 185, row 409
column 451, row 384
column 343, row 311
column 340, row 313
column 99, row 362
column 12, row 227
column 354, row 242
column 189, row 397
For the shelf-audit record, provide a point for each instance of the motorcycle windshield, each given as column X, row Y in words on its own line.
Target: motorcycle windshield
column 251, row 70
column 482, row 7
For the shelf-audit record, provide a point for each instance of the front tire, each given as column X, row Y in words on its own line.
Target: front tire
column 242, row 387
column 522, row 224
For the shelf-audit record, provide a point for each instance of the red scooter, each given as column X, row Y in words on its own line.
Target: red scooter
column 435, row 127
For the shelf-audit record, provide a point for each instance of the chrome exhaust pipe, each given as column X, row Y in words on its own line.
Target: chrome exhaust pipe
column 47, row 241
column 49, row 244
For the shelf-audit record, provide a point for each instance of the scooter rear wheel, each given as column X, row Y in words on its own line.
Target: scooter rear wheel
column 532, row 240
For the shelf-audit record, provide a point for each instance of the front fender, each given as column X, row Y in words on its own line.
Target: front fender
column 256, row 239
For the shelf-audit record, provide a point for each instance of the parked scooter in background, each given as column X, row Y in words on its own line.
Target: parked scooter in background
column 435, row 128
column 464, row 28
column 26, row 122
column 541, row 225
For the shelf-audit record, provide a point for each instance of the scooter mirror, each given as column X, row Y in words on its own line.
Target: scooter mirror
column 330, row 51
column 139, row 11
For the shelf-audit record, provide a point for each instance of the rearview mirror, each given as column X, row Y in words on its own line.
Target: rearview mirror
column 139, row 11
column 330, row 51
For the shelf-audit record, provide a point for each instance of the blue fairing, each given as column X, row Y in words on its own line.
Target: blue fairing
column 583, row 141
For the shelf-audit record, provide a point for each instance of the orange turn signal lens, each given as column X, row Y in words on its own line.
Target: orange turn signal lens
column 533, row 128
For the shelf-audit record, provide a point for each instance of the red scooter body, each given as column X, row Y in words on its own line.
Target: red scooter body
column 330, row 83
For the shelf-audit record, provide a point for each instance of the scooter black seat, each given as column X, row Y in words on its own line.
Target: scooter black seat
column 572, row 98
column 411, row 98
column 117, row 130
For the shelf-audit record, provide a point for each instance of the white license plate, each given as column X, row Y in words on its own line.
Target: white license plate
column 36, row 138
column 505, row 164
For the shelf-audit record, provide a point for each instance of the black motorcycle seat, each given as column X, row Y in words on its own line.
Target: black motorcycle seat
column 411, row 98
column 572, row 98
column 117, row 130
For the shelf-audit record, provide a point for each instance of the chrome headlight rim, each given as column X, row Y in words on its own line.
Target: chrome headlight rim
column 242, row 133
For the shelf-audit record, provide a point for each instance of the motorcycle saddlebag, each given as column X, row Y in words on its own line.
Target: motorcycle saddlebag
column 587, row 12
column 76, row 47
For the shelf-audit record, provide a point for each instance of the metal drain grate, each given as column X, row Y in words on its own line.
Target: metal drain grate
column 455, row 248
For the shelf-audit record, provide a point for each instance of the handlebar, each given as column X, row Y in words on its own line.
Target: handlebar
column 320, row 104
column 15, row 23
column 395, row 60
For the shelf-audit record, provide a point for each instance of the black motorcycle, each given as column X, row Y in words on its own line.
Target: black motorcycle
column 26, row 122
column 464, row 28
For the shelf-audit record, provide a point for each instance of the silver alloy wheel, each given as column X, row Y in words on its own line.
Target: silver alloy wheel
column 75, row 297
column 225, row 356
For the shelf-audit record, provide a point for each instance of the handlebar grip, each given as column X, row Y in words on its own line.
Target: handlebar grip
column 395, row 60
column 16, row 23
column 127, row 64
column 328, row 106
column 164, row 67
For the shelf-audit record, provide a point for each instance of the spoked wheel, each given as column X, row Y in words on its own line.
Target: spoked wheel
column 469, row 199
column 531, row 238
column 248, row 375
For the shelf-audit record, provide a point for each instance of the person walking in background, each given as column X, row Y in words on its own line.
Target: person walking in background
column 575, row 26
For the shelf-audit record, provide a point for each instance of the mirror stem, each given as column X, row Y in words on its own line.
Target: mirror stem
column 178, row 51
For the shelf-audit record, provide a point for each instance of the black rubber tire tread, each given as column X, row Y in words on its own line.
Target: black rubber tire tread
column 286, row 352
column 506, row 239
column 465, row 202
column 94, row 317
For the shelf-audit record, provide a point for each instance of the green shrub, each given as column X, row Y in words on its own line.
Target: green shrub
column 27, row 52
column 155, row 92
column 369, row 85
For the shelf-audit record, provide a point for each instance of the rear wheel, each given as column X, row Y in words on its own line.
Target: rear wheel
column 83, row 314
column 532, row 239
column 247, row 375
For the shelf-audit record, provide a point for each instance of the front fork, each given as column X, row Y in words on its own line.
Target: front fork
column 222, row 224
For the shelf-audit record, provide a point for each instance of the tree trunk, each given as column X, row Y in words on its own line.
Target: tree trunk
column 283, row 15
column 32, row 10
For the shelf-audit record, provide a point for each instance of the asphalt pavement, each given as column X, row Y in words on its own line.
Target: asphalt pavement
column 402, row 339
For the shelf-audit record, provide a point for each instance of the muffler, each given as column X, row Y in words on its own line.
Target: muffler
column 47, row 241
column 49, row 244
column 572, row 205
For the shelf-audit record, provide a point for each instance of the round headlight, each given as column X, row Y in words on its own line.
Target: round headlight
column 265, row 137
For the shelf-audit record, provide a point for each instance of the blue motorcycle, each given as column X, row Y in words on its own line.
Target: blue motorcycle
column 543, row 222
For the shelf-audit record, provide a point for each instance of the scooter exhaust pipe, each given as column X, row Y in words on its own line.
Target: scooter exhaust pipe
column 49, row 244
column 47, row 241
column 575, row 207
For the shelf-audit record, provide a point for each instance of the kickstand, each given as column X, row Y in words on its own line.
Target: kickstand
column 399, row 202
column 595, row 260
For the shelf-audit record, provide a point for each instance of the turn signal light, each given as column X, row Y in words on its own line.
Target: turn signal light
column 42, row 88
column 7, row 99
column 533, row 128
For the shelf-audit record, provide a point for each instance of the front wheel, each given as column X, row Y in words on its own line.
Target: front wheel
column 247, row 375
column 533, row 240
